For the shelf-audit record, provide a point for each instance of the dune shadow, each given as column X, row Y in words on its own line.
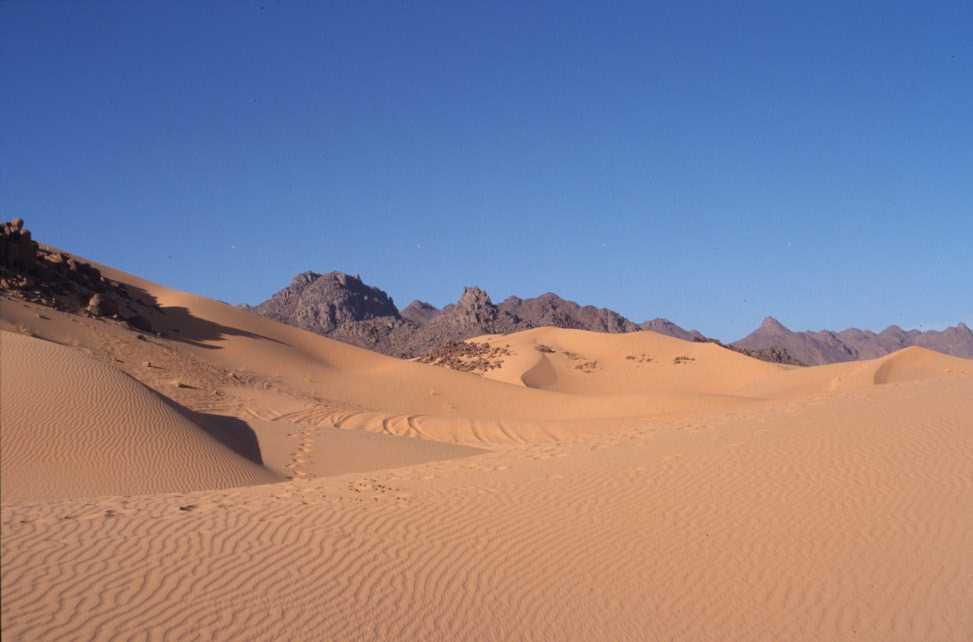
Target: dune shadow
column 179, row 324
column 232, row 432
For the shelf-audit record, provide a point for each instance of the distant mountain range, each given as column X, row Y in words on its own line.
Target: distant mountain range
column 825, row 346
column 345, row 308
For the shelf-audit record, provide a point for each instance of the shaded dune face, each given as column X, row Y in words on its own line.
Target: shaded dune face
column 72, row 426
column 542, row 374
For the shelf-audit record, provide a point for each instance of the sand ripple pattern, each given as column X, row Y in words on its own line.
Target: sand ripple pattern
column 73, row 426
column 838, row 521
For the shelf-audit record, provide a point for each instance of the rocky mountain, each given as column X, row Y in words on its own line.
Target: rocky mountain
column 825, row 346
column 667, row 327
column 323, row 303
column 419, row 312
column 550, row 309
column 343, row 307
column 956, row 340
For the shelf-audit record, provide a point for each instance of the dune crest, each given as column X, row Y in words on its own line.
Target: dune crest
column 916, row 364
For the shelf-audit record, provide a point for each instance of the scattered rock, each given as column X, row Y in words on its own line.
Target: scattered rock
column 587, row 367
column 467, row 356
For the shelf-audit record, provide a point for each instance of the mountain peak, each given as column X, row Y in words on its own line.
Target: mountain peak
column 304, row 278
column 323, row 302
column 772, row 324
column 419, row 312
column 474, row 297
column 419, row 304
column 667, row 327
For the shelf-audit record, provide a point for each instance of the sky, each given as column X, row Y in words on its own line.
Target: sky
column 707, row 163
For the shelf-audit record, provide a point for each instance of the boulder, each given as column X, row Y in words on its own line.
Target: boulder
column 102, row 305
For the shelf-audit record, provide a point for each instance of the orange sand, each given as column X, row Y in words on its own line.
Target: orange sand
column 256, row 481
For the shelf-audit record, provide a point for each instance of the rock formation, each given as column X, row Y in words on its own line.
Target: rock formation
column 61, row 281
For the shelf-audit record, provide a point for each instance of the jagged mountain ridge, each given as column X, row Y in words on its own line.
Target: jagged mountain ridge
column 825, row 346
column 343, row 307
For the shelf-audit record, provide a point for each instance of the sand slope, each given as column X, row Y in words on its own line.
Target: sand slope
column 837, row 521
column 342, row 385
column 579, row 362
column 71, row 426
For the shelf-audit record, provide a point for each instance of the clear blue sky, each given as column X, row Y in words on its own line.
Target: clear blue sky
column 706, row 163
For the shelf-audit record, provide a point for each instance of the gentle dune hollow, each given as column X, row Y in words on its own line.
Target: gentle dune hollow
column 232, row 478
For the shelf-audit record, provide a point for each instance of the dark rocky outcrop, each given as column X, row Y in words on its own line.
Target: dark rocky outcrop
column 102, row 305
column 17, row 250
column 59, row 280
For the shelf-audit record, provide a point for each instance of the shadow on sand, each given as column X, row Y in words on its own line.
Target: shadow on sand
column 178, row 324
column 233, row 433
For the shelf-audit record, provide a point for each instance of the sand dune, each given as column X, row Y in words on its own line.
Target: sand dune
column 72, row 426
column 910, row 364
column 846, row 520
column 621, row 487
column 915, row 364
column 592, row 363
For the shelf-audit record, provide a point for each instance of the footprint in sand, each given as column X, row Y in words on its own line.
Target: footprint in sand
column 302, row 455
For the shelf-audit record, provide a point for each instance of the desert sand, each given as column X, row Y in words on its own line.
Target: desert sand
column 238, row 479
